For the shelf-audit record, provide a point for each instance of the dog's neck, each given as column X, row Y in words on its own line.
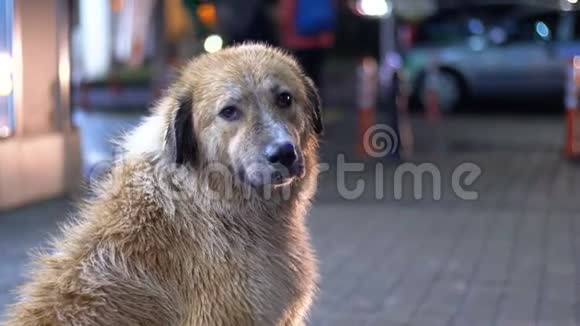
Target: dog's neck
column 185, row 190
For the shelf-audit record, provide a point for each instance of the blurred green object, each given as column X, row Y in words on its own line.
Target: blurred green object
column 135, row 76
column 191, row 5
column 201, row 31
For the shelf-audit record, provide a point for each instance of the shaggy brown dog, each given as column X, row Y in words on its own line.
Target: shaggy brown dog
column 202, row 220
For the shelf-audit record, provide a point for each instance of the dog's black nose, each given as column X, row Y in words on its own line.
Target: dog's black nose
column 284, row 154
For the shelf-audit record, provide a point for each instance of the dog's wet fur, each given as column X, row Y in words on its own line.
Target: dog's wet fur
column 164, row 242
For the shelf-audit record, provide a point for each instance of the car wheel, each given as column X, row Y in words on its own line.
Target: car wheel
column 449, row 89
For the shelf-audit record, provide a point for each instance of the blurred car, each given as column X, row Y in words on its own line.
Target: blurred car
column 477, row 54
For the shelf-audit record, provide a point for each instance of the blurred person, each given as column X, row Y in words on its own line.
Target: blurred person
column 247, row 20
column 134, row 32
column 177, row 20
column 307, row 28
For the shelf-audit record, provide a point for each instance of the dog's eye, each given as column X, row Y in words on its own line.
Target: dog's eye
column 284, row 100
column 230, row 113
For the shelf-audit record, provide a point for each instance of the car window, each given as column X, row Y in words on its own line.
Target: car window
column 442, row 30
column 576, row 34
column 451, row 27
column 543, row 27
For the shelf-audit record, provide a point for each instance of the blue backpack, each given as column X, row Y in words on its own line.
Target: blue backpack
column 315, row 16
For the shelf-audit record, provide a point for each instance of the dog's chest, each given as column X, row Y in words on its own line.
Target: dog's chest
column 257, row 282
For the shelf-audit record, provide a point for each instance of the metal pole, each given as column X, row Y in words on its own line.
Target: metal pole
column 63, row 86
column 388, row 75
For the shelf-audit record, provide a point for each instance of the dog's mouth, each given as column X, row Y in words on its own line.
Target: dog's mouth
column 270, row 175
column 283, row 177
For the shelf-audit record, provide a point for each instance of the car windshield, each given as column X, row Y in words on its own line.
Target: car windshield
column 456, row 25
column 443, row 29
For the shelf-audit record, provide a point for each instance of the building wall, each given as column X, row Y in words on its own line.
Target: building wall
column 39, row 64
column 36, row 168
column 42, row 160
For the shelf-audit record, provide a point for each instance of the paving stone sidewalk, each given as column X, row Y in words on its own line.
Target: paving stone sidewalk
column 403, row 263
column 452, row 264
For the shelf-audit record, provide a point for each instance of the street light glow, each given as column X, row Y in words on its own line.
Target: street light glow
column 4, row 131
column 5, row 64
column 375, row 8
column 5, row 85
column 573, row 1
column 213, row 43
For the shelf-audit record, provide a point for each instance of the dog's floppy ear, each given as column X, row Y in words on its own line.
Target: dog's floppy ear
column 315, row 105
column 180, row 138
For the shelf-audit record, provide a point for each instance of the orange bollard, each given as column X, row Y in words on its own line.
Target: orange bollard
column 431, row 96
column 571, row 145
column 366, row 120
column 572, row 132
column 367, row 100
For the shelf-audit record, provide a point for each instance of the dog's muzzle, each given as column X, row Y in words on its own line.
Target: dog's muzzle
column 282, row 153
column 281, row 164
column 286, row 160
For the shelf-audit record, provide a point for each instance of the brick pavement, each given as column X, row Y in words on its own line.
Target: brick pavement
column 446, row 264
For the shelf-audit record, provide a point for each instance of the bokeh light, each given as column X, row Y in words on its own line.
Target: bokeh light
column 375, row 8
column 213, row 43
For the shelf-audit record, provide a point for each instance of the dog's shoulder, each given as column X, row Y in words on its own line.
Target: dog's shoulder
column 110, row 251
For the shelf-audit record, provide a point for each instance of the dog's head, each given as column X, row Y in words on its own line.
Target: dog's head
column 250, row 108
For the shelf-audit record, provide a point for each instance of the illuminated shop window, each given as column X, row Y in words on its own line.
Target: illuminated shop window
column 6, row 70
